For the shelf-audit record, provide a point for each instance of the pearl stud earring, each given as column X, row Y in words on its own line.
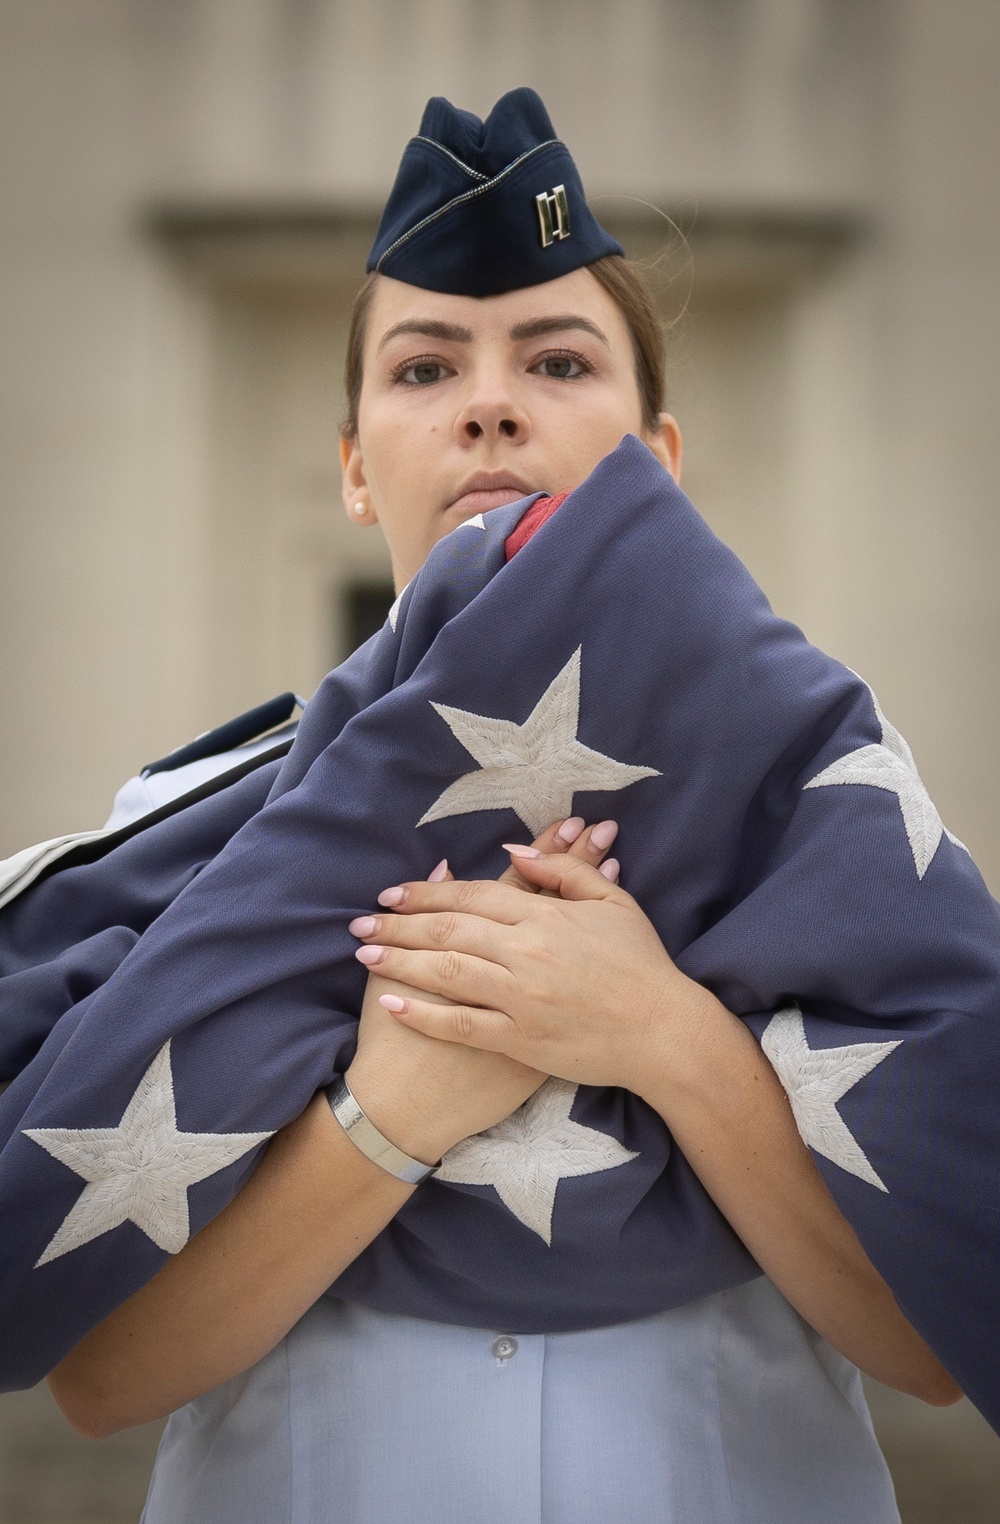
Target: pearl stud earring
column 359, row 510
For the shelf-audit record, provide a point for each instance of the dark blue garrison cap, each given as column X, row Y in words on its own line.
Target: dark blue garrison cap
column 484, row 207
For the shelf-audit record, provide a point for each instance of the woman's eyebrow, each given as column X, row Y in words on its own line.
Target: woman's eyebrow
column 428, row 328
column 454, row 333
column 537, row 327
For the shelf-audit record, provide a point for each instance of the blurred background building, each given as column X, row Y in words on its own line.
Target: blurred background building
column 189, row 188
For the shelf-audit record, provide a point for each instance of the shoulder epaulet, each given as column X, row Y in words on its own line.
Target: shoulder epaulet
column 236, row 732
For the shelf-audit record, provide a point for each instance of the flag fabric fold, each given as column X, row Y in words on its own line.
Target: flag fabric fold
column 166, row 1008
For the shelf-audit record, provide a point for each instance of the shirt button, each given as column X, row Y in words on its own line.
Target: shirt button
column 504, row 1347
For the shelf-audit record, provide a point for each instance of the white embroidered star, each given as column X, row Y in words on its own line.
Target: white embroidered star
column 534, row 768
column 140, row 1170
column 890, row 766
column 394, row 610
column 525, row 1156
column 814, row 1080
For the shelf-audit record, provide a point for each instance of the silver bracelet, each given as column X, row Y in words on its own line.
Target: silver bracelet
column 366, row 1136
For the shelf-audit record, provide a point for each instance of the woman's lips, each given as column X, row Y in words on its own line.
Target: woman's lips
column 494, row 497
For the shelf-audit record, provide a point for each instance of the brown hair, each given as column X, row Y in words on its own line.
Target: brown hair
column 628, row 288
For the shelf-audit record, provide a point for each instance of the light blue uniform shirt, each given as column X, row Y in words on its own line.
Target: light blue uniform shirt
column 141, row 795
column 730, row 1410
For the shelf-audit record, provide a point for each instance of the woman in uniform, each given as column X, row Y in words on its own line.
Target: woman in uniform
column 502, row 346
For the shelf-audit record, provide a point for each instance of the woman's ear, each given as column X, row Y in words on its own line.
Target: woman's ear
column 354, row 486
column 667, row 445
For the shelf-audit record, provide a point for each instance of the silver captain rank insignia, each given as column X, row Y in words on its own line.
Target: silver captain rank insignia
column 553, row 214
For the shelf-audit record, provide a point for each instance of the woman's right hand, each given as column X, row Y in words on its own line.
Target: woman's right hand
column 426, row 1095
column 308, row 1210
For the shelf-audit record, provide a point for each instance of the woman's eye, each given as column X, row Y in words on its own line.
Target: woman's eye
column 421, row 372
column 563, row 367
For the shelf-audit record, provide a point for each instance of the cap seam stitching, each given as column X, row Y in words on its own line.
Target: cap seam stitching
column 465, row 196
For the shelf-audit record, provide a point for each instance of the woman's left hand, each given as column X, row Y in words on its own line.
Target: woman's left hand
column 581, row 987
column 576, row 985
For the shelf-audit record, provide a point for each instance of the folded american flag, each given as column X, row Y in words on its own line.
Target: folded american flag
column 167, row 1007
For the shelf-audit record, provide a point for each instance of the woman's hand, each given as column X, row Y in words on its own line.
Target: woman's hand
column 578, row 985
column 312, row 1205
column 425, row 1095
column 582, row 987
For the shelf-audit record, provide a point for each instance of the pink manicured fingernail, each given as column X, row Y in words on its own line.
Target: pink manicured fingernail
column 371, row 954
column 516, row 850
column 603, row 835
column 570, row 829
column 437, row 875
column 364, row 926
column 394, row 1004
column 390, row 897
column 610, row 869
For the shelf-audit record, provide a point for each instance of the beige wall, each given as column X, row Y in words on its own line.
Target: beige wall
column 101, row 366
column 939, row 539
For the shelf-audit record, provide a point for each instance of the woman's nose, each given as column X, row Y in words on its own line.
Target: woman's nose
column 475, row 428
column 492, row 417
